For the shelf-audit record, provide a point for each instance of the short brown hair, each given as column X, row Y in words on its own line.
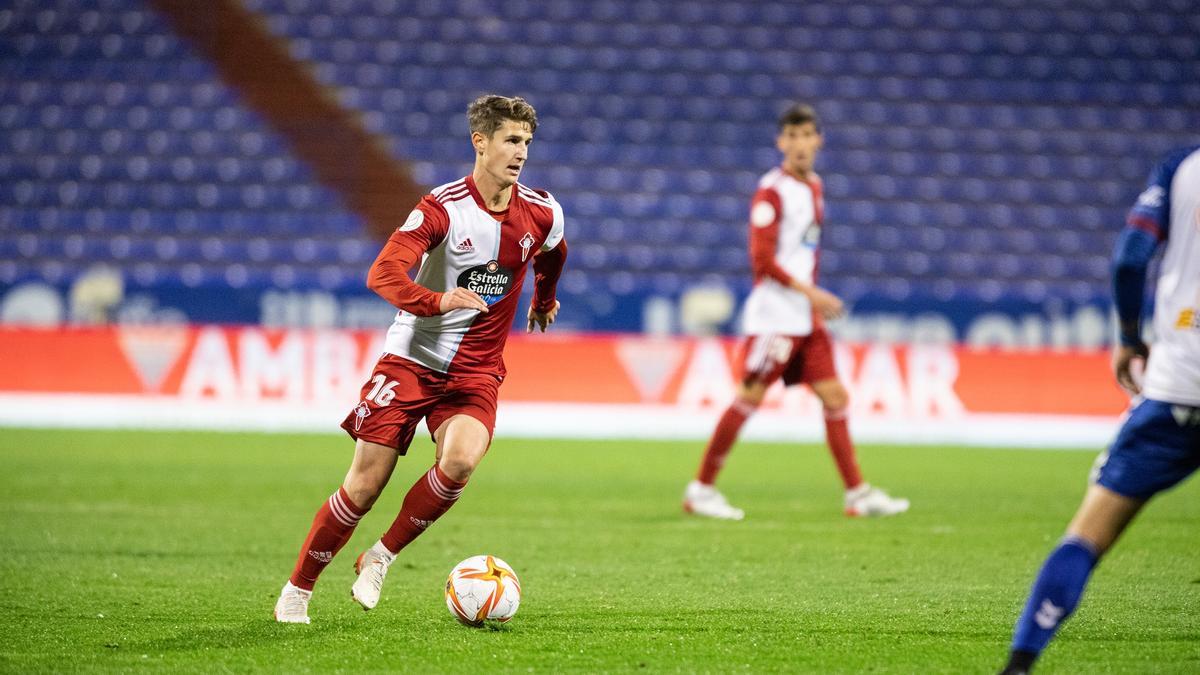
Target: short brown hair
column 488, row 112
column 799, row 113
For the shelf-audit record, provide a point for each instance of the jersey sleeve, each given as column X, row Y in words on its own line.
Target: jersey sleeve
column 1131, row 258
column 556, row 226
column 425, row 227
column 766, row 210
column 423, row 230
column 548, row 262
column 1152, row 211
column 547, row 268
column 1146, row 227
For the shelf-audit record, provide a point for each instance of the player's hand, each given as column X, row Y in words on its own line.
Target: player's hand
column 461, row 298
column 1128, row 362
column 542, row 319
column 828, row 305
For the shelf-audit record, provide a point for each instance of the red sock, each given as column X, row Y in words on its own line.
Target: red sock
column 837, row 434
column 722, row 439
column 432, row 495
column 331, row 529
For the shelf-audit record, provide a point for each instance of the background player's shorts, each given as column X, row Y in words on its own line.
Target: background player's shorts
column 401, row 392
column 1157, row 446
column 800, row 359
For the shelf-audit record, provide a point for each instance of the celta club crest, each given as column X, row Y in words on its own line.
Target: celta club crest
column 361, row 412
column 526, row 244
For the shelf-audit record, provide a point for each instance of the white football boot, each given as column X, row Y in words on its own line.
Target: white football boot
column 292, row 606
column 705, row 500
column 372, row 567
column 865, row 500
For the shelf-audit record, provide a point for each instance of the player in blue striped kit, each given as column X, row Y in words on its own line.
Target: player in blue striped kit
column 1159, row 444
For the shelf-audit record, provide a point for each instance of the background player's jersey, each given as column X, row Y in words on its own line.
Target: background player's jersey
column 785, row 233
column 1170, row 209
column 466, row 245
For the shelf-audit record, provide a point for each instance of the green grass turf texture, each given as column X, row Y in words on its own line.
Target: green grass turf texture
column 166, row 550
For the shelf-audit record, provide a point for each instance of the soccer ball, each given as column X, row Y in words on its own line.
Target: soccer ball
column 483, row 587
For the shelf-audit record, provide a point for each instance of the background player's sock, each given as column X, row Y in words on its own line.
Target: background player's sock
column 432, row 495
column 1055, row 594
column 331, row 529
column 723, row 438
column 837, row 435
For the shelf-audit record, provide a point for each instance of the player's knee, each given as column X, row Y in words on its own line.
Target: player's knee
column 834, row 398
column 463, row 441
column 458, row 466
column 364, row 488
column 837, row 401
column 752, row 393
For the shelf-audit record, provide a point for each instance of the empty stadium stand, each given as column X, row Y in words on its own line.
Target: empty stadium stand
column 976, row 152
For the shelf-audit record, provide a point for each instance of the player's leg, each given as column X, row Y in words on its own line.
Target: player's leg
column 391, row 404
column 760, row 362
column 835, row 402
column 333, row 525
column 813, row 365
column 462, row 441
column 861, row 498
column 462, row 424
column 1156, row 448
column 1101, row 518
column 747, row 397
column 701, row 497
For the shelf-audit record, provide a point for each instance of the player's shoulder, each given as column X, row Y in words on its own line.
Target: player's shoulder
column 772, row 179
column 440, row 201
column 535, row 196
column 1163, row 175
column 433, row 206
column 1173, row 160
column 1178, row 155
column 542, row 205
column 449, row 192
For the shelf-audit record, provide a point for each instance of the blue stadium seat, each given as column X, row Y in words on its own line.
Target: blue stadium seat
column 956, row 142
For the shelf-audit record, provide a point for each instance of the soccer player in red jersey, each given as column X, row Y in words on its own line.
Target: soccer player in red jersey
column 784, row 322
column 442, row 361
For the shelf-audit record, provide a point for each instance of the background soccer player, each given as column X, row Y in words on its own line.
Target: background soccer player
column 1159, row 443
column 783, row 321
column 442, row 359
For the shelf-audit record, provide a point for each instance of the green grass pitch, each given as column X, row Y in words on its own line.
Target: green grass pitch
column 135, row 550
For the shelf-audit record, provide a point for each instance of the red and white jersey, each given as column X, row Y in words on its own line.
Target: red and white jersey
column 467, row 245
column 785, row 235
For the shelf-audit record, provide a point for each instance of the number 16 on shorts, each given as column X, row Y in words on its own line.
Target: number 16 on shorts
column 381, row 394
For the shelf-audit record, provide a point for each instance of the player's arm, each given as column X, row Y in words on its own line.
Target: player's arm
column 547, row 268
column 1145, row 229
column 425, row 228
column 766, row 211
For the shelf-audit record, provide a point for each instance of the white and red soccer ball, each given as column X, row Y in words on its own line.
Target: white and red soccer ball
column 483, row 588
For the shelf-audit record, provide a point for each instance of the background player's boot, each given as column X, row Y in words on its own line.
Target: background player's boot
column 705, row 500
column 292, row 606
column 865, row 500
column 372, row 567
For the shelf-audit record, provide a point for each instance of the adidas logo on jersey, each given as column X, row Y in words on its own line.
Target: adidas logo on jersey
column 465, row 245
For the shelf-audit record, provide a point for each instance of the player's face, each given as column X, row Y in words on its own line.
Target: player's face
column 503, row 155
column 799, row 144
